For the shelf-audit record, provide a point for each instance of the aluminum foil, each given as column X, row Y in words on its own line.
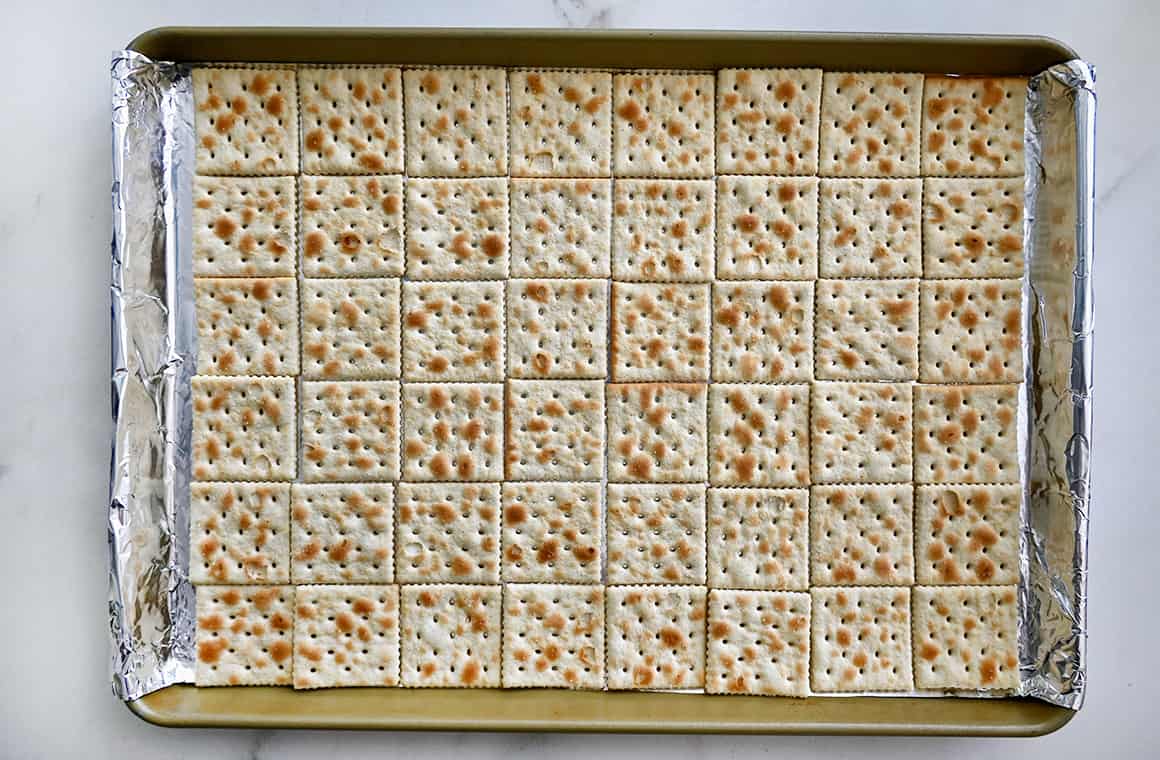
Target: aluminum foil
column 151, row 602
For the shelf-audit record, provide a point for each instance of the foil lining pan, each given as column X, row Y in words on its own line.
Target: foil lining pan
column 151, row 602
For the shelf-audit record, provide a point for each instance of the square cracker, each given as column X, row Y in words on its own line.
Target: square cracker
column 561, row 227
column 352, row 120
column 346, row 636
column 243, row 226
column 871, row 228
column 342, row 533
column 767, row 121
column 967, row 534
column 551, row 532
column 453, row 331
column 243, row 428
column 350, row 430
column 657, row 433
column 451, row 636
column 759, row 643
column 966, row 434
column 448, row 533
column 861, row 535
column 973, row 227
column 561, row 123
column 759, row 435
column 456, row 122
column 239, row 532
column 660, row 331
column 350, row 329
column 758, row 538
column 655, row 533
column 557, row 328
column 555, row 430
column 352, row 226
column 867, row 330
column 861, row 433
column 244, row 635
column 870, row 124
column 457, row 229
column 246, row 121
column 553, row 636
column 973, row 126
column 767, row 228
column 663, row 125
column 971, row 331
column 861, row 639
column 246, row 327
column 656, row 637
column 763, row 332
column 662, row 230
column 966, row 637
column 453, row 432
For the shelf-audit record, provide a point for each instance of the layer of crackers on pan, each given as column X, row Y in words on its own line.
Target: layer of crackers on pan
column 623, row 380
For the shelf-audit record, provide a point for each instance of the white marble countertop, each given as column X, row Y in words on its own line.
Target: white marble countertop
column 54, row 233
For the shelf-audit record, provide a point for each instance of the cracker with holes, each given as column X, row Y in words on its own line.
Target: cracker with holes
column 758, row 643
column 557, row 328
column 861, row 433
column 966, row 434
column 553, row 636
column 870, row 228
column 662, row 230
column 758, row 538
column 243, row 226
column 239, row 532
column 555, row 430
column 662, row 125
column 971, row 331
column 767, row 121
column 967, row 534
column 655, row 533
column 246, row 327
column 966, row 637
column 346, row 636
column 561, row 123
column 860, row 638
column 561, row 227
column 660, row 332
column 342, row 533
column 243, row 428
column 447, row 533
column 767, row 228
column 656, row 637
column 870, row 124
column 973, row 126
column 453, row 432
column 763, row 332
column 243, row 635
column 246, row 121
column 352, row 120
column 973, row 227
column 657, row 433
column 453, row 331
column 456, row 122
column 457, row 229
column 451, row 636
column 867, row 330
column 551, row 532
column 350, row 430
column 352, row 226
column 759, row 435
column 350, row 329
column 861, row 535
